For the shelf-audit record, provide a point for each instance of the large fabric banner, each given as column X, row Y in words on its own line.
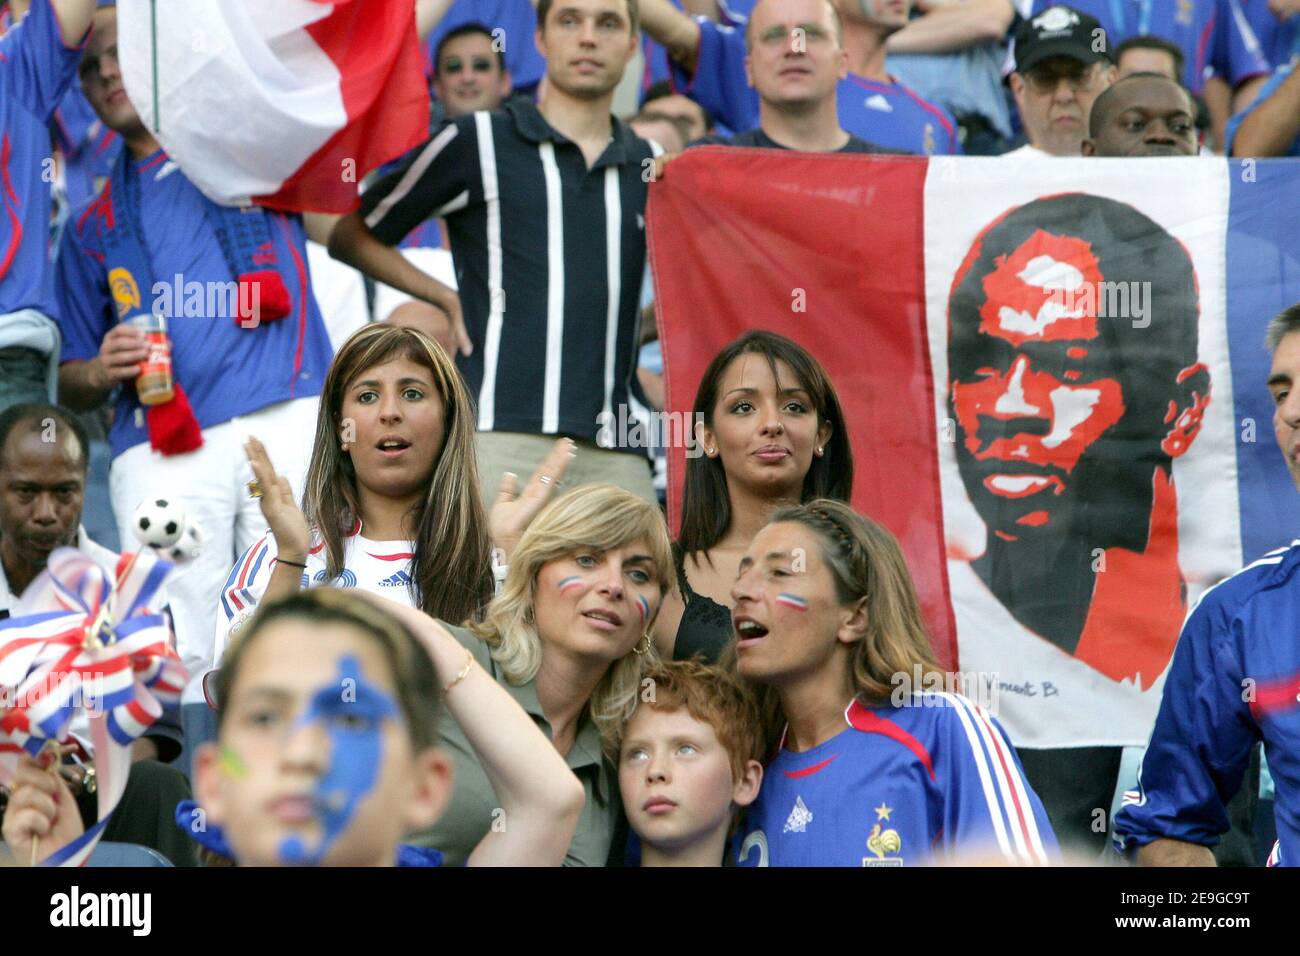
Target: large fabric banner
column 1054, row 379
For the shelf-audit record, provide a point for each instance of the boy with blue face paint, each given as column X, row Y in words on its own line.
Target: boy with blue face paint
column 327, row 706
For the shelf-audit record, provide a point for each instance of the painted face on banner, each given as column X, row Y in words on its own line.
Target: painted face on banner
column 1034, row 387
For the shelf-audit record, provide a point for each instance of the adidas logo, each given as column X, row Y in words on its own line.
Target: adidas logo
column 399, row 580
column 799, row 818
column 878, row 102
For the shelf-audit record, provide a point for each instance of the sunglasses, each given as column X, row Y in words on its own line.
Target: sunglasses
column 455, row 64
column 1046, row 81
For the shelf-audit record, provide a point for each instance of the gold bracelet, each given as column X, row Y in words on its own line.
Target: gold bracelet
column 469, row 663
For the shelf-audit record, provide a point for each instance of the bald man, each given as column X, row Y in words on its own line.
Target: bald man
column 1143, row 114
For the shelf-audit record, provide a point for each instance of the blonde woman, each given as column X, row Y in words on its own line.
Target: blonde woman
column 876, row 763
column 567, row 637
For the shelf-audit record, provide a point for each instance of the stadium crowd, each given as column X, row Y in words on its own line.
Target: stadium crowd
column 537, row 672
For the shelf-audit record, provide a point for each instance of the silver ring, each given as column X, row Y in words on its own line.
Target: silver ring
column 545, row 479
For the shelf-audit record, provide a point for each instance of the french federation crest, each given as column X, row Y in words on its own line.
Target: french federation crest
column 883, row 842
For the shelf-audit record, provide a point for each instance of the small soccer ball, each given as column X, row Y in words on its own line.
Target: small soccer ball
column 158, row 522
column 188, row 547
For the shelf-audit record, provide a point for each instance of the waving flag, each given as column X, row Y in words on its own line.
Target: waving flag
column 1053, row 375
column 288, row 103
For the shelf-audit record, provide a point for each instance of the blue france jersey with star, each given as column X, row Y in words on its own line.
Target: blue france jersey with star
column 899, row 786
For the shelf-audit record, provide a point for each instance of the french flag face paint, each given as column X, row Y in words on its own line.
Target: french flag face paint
column 644, row 606
column 569, row 583
column 353, row 712
column 792, row 601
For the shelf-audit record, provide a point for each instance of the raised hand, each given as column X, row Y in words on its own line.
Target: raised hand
column 281, row 511
column 512, row 511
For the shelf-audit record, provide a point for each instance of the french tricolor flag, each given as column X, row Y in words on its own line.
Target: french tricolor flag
column 286, row 103
column 1054, row 379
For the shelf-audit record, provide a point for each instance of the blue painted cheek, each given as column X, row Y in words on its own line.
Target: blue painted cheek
column 353, row 712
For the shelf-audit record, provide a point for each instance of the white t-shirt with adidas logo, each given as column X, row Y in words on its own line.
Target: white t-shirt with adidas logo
column 381, row 567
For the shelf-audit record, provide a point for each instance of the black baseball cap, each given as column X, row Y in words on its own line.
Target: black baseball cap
column 1061, row 31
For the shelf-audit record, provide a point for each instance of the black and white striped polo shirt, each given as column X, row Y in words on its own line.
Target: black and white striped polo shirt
column 549, row 260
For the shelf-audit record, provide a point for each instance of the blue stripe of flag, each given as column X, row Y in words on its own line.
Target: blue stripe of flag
column 1263, row 268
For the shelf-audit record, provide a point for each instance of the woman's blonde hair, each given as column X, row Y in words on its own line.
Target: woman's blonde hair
column 451, row 571
column 865, row 562
column 599, row 517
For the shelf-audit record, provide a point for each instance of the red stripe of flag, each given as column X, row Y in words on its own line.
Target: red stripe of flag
column 830, row 253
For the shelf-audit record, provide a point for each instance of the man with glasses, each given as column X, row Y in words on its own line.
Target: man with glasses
column 469, row 73
column 1062, row 64
column 795, row 61
column 710, row 65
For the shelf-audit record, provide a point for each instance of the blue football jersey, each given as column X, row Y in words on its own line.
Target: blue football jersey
column 886, row 114
column 1278, row 38
column 226, row 370
column 1234, row 680
column 934, row 778
column 36, row 69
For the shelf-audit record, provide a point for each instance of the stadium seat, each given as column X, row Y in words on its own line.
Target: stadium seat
column 126, row 854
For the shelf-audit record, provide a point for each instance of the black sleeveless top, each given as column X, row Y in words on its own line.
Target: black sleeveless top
column 705, row 629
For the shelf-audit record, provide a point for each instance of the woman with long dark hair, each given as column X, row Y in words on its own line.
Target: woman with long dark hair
column 392, row 502
column 772, row 434
column 879, row 760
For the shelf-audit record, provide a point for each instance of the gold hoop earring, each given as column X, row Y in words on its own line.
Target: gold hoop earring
column 639, row 650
